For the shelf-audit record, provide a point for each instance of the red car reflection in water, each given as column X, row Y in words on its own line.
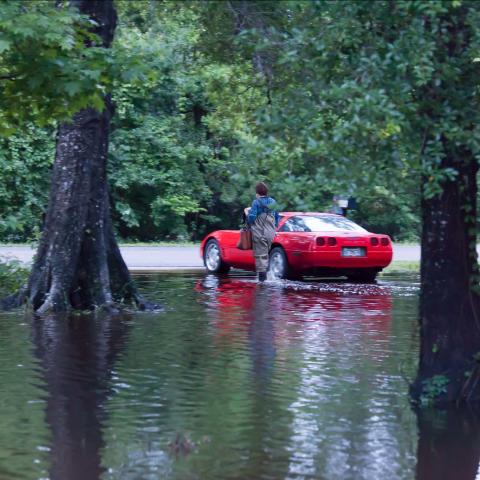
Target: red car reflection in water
column 301, row 347
column 237, row 302
column 306, row 243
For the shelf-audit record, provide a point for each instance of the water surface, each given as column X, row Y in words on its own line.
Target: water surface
column 235, row 380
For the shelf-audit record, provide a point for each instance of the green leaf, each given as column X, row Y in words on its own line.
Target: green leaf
column 72, row 88
column 4, row 45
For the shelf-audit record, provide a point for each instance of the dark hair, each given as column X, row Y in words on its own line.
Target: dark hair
column 261, row 188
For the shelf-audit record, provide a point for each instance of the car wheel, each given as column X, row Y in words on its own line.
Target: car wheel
column 366, row 276
column 212, row 258
column 278, row 263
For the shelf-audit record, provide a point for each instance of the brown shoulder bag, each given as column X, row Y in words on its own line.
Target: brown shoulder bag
column 245, row 240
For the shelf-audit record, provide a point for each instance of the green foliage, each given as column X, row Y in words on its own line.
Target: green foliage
column 395, row 212
column 432, row 388
column 361, row 96
column 161, row 160
column 46, row 73
column 13, row 275
column 26, row 158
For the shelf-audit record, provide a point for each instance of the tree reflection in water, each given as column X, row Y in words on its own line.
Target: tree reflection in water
column 77, row 354
column 448, row 444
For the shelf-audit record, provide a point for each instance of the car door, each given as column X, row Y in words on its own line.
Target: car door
column 295, row 237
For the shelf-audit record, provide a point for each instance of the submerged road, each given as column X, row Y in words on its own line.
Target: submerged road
column 166, row 258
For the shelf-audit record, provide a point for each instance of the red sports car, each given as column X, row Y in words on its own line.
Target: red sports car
column 320, row 244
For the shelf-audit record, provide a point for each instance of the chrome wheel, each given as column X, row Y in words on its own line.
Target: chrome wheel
column 278, row 263
column 212, row 257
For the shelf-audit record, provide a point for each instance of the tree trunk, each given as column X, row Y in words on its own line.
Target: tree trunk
column 78, row 263
column 449, row 368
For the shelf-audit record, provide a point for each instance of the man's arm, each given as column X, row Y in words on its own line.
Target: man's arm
column 277, row 218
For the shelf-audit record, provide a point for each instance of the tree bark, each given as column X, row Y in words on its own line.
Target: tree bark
column 449, row 368
column 78, row 263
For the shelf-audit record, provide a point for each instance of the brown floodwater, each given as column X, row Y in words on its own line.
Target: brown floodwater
column 234, row 380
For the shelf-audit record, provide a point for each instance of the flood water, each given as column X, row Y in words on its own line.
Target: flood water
column 235, row 380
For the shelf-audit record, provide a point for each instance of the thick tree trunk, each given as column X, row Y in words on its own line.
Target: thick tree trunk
column 71, row 265
column 78, row 263
column 449, row 368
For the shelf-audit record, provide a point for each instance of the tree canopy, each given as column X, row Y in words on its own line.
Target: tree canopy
column 46, row 73
column 209, row 98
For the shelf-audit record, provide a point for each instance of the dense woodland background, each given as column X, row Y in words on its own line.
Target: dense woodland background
column 208, row 100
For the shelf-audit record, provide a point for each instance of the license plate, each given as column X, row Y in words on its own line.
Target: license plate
column 353, row 252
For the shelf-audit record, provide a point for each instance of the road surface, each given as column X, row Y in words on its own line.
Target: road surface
column 185, row 258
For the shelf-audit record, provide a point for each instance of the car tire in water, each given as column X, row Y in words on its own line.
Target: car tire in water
column 278, row 263
column 364, row 276
column 212, row 258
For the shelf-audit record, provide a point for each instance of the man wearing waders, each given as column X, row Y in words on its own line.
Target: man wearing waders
column 263, row 221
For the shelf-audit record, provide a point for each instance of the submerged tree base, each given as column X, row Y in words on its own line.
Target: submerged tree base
column 21, row 299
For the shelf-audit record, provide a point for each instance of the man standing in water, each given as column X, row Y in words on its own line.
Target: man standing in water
column 263, row 221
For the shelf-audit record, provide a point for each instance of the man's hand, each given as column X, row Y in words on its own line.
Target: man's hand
column 247, row 210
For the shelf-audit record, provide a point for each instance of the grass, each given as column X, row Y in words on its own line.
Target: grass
column 34, row 245
column 402, row 266
column 13, row 274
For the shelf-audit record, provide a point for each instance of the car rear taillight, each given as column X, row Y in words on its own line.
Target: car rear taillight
column 374, row 241
column 322, row 241
column 384, row 241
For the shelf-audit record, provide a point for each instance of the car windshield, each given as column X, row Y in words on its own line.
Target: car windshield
column 320, row 223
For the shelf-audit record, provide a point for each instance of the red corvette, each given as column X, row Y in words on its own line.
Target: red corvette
column 321, row 244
